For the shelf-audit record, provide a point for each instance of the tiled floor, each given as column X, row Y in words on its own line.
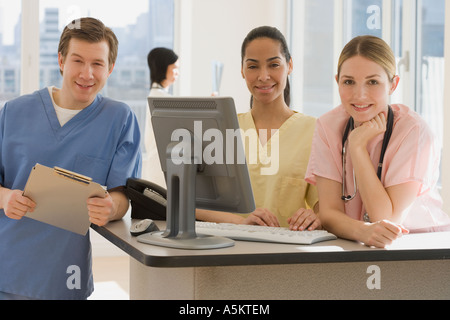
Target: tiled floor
column 111, row 278
column 110, row 267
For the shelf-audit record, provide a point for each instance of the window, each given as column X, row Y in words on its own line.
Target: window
column 362, row 17
column 10, row 26
column 312, row 52
column 430, row 63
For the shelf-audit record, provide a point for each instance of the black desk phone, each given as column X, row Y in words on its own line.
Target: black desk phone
column 148, row 200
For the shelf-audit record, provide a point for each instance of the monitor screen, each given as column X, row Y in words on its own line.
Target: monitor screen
column 201, row 153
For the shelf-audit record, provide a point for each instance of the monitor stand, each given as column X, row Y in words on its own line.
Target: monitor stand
column 180, row 230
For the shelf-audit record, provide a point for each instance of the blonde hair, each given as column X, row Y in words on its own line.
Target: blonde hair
column 372, row 48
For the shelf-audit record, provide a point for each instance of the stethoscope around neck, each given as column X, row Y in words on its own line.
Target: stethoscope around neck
column 387, row 135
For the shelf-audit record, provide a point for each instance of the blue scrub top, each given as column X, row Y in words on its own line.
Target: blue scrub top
column 102, row 142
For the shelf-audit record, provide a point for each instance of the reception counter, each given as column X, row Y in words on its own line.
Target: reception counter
column 416, row 266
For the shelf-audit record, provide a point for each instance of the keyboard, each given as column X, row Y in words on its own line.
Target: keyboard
column 262, row 233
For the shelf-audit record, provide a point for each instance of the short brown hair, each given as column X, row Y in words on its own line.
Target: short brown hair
column 372, row 48
column 91, row 30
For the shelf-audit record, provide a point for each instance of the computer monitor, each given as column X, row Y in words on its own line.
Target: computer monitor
column 201, row 153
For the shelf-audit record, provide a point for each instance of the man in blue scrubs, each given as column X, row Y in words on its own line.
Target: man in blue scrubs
column 75, row 128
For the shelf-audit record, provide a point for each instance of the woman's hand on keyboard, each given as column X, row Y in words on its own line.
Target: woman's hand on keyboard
column 304, row 219
column 262, row 217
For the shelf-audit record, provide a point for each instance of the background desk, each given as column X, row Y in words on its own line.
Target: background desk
column 416, row 266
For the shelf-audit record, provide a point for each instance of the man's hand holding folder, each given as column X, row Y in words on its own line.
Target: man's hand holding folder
column 100, row 206
column 103, row 210
column 14, row 204
column 66, row 199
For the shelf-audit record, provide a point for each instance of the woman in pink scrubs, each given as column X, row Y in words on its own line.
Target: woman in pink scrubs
column 370, row 193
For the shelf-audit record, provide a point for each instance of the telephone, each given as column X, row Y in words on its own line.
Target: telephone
column 148, row 200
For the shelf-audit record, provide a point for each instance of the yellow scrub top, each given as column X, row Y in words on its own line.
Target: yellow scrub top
column 277, row 169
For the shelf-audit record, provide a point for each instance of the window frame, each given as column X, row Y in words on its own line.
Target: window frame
column 29, row 71
column 445, row 174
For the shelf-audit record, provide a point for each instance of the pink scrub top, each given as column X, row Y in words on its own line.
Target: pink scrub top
column 412, row 155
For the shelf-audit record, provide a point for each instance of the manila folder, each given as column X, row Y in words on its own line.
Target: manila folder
column 60, row 196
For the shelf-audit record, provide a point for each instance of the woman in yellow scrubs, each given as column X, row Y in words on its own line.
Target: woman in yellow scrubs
column 277, row 140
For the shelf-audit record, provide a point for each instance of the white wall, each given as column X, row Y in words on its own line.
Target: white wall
column 214, row 30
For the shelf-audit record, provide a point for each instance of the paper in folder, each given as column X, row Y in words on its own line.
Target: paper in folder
column 60, row 196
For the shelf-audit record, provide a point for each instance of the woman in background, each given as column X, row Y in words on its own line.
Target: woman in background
column 375, row 165
column 164, row 69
